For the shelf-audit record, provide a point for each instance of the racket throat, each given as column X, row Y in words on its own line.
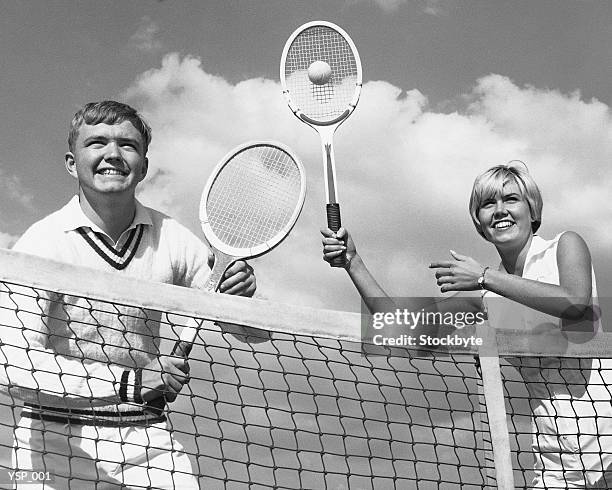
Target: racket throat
column 329, row 171
column 334, row 221
column 332, row 196
column 222, row 263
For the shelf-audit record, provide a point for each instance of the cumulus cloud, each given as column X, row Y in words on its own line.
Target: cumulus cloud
column 12, row 189
column 7, row 240
column 437, row 7
column 389, row 5
column 16, row 198
column 405, row 171
column 145, row 37
column 430, row 7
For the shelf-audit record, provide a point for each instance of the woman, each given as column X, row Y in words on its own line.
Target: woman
column 554, row 280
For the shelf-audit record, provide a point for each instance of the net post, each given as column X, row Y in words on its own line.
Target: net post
column 493, row 393
column 483, row 435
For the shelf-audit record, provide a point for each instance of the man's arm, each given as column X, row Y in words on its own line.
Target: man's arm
column 39, row 376
column 35, row 374
column 29, row 369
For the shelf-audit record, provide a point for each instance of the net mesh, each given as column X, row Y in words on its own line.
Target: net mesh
column 254, row 197
column 298, row 407
column 321, row 102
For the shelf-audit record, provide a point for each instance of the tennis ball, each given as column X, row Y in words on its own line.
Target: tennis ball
column 319, row 72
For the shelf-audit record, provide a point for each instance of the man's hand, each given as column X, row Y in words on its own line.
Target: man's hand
column 238, row 280
column 165, row 377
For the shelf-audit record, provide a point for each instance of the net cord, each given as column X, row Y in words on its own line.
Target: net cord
column 19, row 268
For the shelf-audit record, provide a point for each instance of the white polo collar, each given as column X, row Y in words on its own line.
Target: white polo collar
column 73, row 217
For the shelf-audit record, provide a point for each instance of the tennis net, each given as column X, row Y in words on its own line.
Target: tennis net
column 293, row 401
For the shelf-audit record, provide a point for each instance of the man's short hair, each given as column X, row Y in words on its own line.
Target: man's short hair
column 108, row 112
column 489, row 184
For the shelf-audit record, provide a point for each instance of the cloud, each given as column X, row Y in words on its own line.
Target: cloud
column 7, row 240
column 437, row 7
column 404, row 170
column 430, row 7
column 12, row 188
column 389, row 5
column 145, row 37
column 17, row 199
column 385, row 5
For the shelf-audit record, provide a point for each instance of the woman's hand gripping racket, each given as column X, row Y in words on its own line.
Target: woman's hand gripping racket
column 249, row 205
column 320, row 73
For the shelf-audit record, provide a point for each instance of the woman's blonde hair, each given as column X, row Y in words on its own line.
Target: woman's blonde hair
column 489, row 184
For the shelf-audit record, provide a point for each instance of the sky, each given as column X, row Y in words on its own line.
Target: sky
column 450, row 88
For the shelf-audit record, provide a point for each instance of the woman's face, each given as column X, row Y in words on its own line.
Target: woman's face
column 505, row 219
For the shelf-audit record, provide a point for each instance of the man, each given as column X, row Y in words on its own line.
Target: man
column 91, row 375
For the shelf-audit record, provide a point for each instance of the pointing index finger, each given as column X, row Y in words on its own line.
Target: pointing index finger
column 442, row 264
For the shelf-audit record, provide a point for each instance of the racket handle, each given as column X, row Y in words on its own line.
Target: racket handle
column 334, row 223
column 156, row 407
column 182, row 348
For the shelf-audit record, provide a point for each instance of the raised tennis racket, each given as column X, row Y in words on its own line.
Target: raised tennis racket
column 320, row 73
column 249, row 205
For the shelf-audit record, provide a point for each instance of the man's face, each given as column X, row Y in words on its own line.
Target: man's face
column 108, row 158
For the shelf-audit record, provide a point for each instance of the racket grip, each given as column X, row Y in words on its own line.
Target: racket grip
column 156, row 406
column 182, row 348
column 334, row 223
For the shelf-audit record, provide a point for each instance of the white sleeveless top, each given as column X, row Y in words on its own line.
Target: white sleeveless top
column 569, row 398
column 540, row 265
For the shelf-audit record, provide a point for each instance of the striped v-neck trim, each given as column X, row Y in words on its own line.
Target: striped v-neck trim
column 117, row 258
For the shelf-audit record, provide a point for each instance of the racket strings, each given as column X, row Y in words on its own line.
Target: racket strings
column 254, row 197
column 327, row 101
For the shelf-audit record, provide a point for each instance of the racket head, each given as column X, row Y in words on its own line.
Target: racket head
column 252, row 199
column 331, row 102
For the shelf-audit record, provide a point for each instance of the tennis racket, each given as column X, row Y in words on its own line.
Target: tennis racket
column 249, row 205
column 320, row 73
